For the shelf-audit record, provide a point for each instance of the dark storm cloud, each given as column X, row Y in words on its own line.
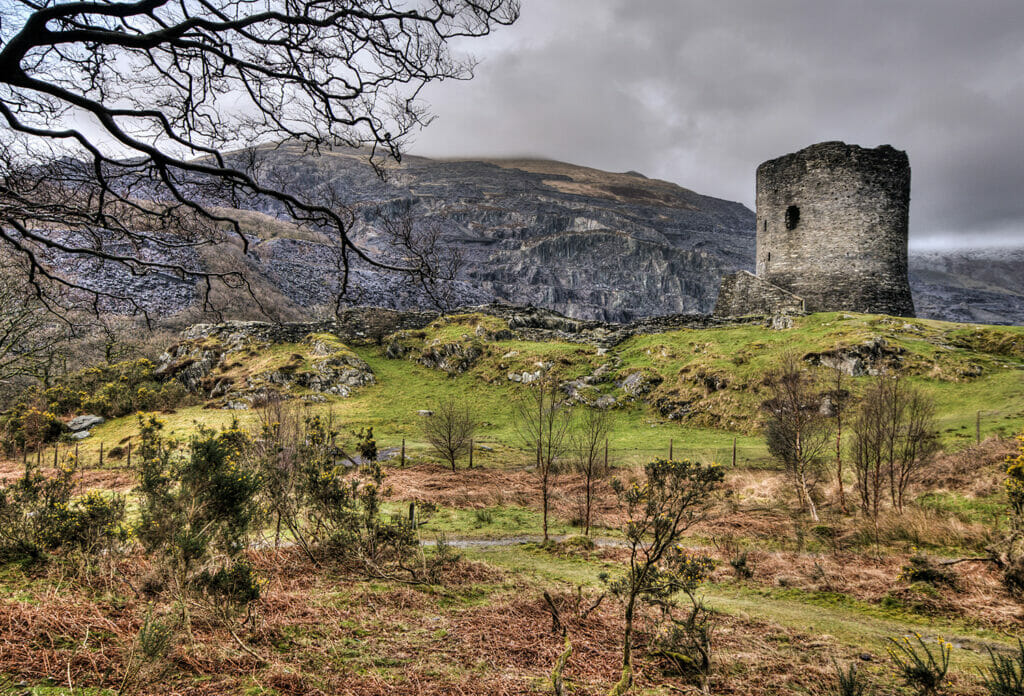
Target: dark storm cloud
column 701, row 92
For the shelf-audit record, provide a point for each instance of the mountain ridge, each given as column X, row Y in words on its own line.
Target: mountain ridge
column 587, row 243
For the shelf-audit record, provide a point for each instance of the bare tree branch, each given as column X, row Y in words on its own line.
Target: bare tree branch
column 132, row 128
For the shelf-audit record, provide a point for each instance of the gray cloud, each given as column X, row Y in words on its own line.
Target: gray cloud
column 700, row 93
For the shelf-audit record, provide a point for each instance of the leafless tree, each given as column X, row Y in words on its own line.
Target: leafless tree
column 894, row 438
column 839, row 398
column 131, row 129
column 31, row 339
column 797, row 428
column 543, row 417
column 433, row 266
column 449, row 430
column 589, row 439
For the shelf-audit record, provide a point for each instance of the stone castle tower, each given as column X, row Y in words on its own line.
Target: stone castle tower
column 831, row 234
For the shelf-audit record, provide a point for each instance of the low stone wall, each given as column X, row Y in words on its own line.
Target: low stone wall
column 744, row 294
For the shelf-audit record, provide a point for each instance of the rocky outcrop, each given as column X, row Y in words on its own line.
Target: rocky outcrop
column 241, row 364
column 873, row 357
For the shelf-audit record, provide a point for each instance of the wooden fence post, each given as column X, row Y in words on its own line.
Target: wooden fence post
column 734, row 453
column 670, row 449
column 403, row 452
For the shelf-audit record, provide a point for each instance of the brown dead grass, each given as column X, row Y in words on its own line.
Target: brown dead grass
column 324, row 633
column 119, row 480
column 482, row 488
column 977, row 470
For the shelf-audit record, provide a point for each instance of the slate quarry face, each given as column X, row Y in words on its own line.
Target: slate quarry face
column 832, row 227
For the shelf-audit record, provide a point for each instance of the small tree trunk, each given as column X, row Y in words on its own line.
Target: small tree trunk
column 544, row 503
column 811, row 507
column 586, row 513
column 839, row 465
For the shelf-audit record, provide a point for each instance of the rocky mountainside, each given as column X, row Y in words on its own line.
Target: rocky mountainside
column 984, row 286
column 590, row 244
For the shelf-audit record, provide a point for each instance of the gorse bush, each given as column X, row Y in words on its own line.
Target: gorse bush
column 27, row 427
column 38, row 515
column 1011, row 557
column 851, row 682
column 198, row 512
column 331, row 510
column 742, row 565
column 110, row 391
column 673, row 496
column 921, row 568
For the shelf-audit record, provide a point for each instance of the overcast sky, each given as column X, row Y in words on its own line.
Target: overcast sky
column 701, row 92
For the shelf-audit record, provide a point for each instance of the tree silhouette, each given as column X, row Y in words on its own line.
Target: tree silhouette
column 131, row 129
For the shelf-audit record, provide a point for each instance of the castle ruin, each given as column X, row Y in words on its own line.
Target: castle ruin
column 831, row 235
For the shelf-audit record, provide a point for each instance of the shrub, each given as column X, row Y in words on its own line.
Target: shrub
column 334, row 512
column 1005, row 675
column 851, row 682
column 198, row 512
column 110, row 391
column 229, row 589
column 674, row 496
column 920, row 668
column 921, row 568
column 742, row 565
column 38, row 515
column 1012, row 556
column 27, row 427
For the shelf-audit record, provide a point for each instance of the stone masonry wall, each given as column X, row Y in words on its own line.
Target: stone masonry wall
column 832, row 227
column 743, row 294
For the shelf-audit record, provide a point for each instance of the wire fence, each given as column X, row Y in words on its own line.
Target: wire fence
column 489, row 451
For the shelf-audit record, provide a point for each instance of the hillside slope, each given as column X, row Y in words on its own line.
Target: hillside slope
column 700, row 385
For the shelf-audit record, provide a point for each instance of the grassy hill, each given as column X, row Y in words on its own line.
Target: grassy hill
column 698, row 387
column 808, row 594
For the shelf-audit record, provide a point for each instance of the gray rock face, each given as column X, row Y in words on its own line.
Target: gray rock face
column 591, row 244
column 85, row 422
column 873, row 357
column 985, row 286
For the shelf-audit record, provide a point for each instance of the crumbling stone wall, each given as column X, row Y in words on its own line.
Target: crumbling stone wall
column 743, row 294
column 832, row 227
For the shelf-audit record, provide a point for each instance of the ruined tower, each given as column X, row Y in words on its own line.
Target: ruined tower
column 831, row 231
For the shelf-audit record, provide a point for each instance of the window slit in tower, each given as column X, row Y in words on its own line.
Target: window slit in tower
column 792, row 217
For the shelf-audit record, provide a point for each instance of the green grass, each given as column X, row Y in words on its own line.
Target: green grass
column 935, row 353
column 495, row 522
column 859, row 625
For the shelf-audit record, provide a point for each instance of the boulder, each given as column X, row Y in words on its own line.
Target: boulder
column 85, row 422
